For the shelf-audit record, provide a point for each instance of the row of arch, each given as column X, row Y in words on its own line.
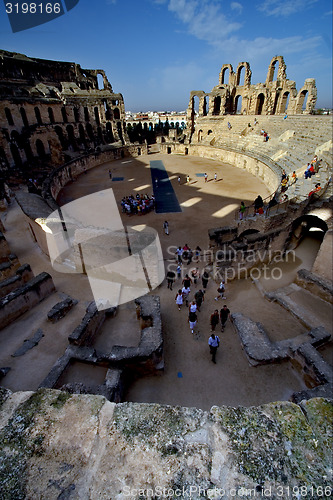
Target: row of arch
column 86, row 137
column 78, row 113
column 234, row 105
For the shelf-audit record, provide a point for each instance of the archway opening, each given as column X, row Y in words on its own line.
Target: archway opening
column 238, row 105
column 217, row 105
column 285, row 102
column 100, row 81
column 224, row 78
column 40, row 149
column 260, row 104
column 240, row 76
column 24, row 117
column 51, row 115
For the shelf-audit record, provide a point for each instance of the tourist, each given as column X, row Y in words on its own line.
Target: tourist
column 179, row 179
column 224, row 315
column 189, row 256
column 195, row 275
column 187, row 281
column 179, row 299
column 258, row 204
column 284, row 175
column 206, row 177
column 199, row 298
column 242, row 210
column 221, row 290
column 197, row 252
column 166, row 227
column 193, row 306
column 215, row 177
column 187, row 179
column 110, row 174
column 186, row 292
column 170, row 279
column 213, row 343
column 214, row 320
column 229, row 125
column 179, row 271
column 192, row 319
column 284, row 184
column 204, row 279
column 185, row 250
column 294, row 177
column 179, row 253
column 315, row 190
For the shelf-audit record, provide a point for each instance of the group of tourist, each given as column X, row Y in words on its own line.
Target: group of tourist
column 186, row 254
column 139, row 204
column 312, row 168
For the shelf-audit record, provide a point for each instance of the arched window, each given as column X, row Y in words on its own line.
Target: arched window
column 96, row 115
column 302, row 100
column 224, row 78
column 16, row 155
column 100, row 81
column 116, row 114
column 40, row 148
column 86, row 114
column 28, row 151
column 205, row 106
column 76, row 115
column 273, row 71
column 238, row 105
column 90, row 132
column 240, row 76
column 64, row 114
column 260, row 104
column 38, row 116
column 9, row 117
column 24, row 117
column 109, row 133
column 51, row 115
column 100, row 135
column 217, row 105
column 71, row 136
column 284, row 102
column 60, row 134
column 82, row 134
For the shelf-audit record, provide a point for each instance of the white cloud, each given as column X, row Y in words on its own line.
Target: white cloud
column 204, row 18
column 237, row 6
column 284, row 8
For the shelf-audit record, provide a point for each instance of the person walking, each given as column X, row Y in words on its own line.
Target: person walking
column 215, row 177
column 206, row 177
column 179, row 179
column 193, row 306
column 110, row 174
column 166, row 227
column 179, row 252
column 170, row 279
column 221, row 290
column 199, row 297
column 186, row 292
column 242, row 210
column 179, row 271
column 179, row 299
column 214, row 320
column 213, row 343
column 224, row 315
column 195, row 275
column 205, row 279
column 192, row 319
column 187, row 179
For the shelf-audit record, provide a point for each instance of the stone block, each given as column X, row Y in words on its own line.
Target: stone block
column 25, row 298
column 60, row 309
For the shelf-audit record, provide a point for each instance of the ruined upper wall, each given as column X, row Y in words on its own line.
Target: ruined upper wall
column 19, row 69
column 235, row 93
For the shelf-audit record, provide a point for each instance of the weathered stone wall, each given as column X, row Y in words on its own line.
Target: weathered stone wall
column 24, row 298
column 56, row 445
column 50, row 113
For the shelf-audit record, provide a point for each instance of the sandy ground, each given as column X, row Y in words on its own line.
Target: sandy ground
column 189, row 378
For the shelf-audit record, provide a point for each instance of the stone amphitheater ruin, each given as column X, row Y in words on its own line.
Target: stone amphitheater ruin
column 70, row 369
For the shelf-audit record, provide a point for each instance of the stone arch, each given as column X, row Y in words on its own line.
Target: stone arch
column 28, row 151
column 238, row 104
column 40, row 149
column 276, row 69
column 276, row 100
column 38, row 115
column 90, row 132
column 58, row 130
column 205, row 106
column 301, row 227
column 96, row 111
column 76, row 114
column 64, row 114
column 116, row 114
column 284, row 102
column 15, row 155
column 260, row 104
column 109, row 133
column 247, row 74
column 82, row 134
column 9, row 117
column 24, row 117
column 86, row 114
column 301, row 103
column 100, row 81
column 71, row 136
column 51, row 115
column 224, row 69
column 217, row 105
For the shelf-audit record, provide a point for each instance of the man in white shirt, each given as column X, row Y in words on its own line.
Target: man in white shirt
column 213, row 343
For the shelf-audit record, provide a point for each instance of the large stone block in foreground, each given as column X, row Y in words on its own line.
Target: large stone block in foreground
column 57, row 445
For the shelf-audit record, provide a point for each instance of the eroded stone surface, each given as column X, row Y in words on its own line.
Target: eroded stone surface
column 57, row 445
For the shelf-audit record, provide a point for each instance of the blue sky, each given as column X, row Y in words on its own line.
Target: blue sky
column 156, row 51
